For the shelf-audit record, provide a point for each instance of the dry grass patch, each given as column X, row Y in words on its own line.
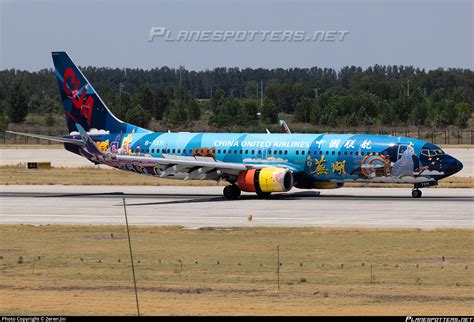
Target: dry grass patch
column 86, row 270
column 16, row 175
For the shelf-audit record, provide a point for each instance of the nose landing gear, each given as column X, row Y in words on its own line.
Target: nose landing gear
column 416, row 193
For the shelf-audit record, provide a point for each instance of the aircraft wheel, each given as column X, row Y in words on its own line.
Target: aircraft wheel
column 415, row 193
column 232, row 192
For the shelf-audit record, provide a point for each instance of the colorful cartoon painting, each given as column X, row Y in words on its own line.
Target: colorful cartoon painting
column 103, row 146
column 126, row 145
column 376, row 166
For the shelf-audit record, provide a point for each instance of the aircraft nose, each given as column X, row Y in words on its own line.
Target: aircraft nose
column 454, row 166
column 459, row 165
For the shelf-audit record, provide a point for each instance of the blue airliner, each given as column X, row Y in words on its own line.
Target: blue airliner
column 260, row 163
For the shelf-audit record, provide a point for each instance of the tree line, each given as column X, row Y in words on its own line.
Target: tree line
column 223, row 97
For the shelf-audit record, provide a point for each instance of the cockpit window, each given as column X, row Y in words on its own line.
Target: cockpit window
column 430, row 153
column 425, row 152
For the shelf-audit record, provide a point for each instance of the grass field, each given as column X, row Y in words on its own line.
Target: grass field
column 60, row 270
column 16, row 175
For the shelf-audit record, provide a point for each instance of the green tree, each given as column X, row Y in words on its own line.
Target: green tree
column 3, row 123
column 419, row 114
column 445, row 113
column 269, row 112
column 145, row 99
column 463, row 114
column 303, row 110
column 251, row 89
column 176, row 113
column 161, row 102
column 121, row 106
column 137, row 115
column 17, row 103
column 50, row 120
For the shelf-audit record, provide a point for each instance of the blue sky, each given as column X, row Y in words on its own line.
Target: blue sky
column 422, row 33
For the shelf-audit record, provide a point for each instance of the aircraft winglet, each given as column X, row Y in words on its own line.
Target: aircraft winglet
column 90, row 145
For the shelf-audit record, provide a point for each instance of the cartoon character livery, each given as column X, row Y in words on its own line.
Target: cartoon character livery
column 259, row 163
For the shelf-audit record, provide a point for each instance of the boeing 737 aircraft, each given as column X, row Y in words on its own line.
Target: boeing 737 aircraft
column 259, row 163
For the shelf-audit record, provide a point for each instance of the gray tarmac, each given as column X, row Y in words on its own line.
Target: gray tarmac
column 197, row 207
column 62, row 158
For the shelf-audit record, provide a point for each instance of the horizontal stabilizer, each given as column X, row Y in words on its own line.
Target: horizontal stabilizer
column 49, row 138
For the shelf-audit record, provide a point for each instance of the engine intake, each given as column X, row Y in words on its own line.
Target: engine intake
column 265, row 180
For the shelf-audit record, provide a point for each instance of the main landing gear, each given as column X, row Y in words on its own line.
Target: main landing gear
column 416, row 193
column 232, row 192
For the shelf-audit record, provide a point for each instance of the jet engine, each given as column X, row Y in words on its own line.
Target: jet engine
column 265, row 180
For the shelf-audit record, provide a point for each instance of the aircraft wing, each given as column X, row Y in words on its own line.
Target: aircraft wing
column 49, row 138
column 187, row 167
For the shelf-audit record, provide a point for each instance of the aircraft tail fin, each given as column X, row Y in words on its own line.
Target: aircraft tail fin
column 82, row 105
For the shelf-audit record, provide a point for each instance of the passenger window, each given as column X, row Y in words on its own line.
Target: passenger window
column 286, row 152
column 339, row 153
column 235, row 151
column 357, row 153
column 280, row 152
column 345, row 152
column 152, row 150
column 351, row 153
column 327, row 152
column 246, row 151
column 240, row 152
column 174, row 150
column 179, row 151
column 253, row 151
column 320, row 152
column 224, row 151
column 362, row 153
column 297, row 152
column 333, row 152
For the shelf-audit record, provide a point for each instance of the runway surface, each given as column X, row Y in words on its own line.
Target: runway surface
column 196, row 207
column 62, row 158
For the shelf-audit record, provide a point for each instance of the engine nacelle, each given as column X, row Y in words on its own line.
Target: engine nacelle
column 265, row 180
